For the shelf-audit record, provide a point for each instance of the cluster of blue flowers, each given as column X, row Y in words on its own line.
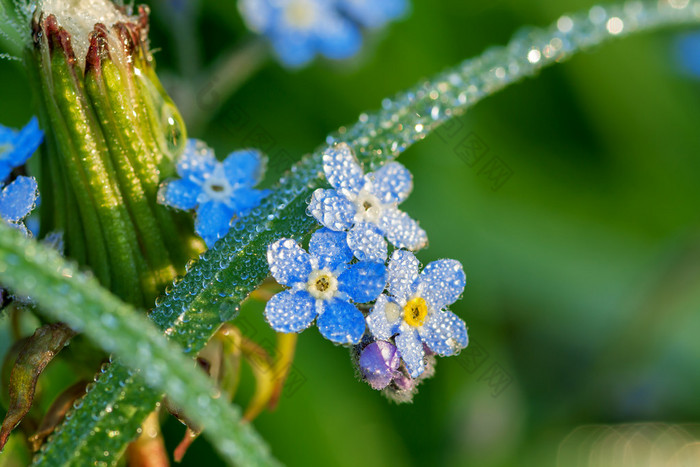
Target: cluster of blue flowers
column 394, row 314
column 299, row 29
column 220, row 192
column 18, row 198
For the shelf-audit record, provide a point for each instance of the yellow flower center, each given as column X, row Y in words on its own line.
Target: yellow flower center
column 322, row 283
column 415, row 311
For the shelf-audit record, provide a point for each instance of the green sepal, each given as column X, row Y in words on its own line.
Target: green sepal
column 63, row 161
column 91, row 160
column 106, row 91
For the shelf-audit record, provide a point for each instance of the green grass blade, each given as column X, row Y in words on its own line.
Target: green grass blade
column 66, row 294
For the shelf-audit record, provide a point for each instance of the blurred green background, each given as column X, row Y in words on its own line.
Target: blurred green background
column 583, row 268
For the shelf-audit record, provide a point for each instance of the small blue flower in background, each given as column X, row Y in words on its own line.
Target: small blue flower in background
column 217, row 190
column 373, row 13
column 322, row 286
column 366, row 205
column 415, row 311
column 299, row 29
column 17, row 200
column 688, row 50
column 16, row 147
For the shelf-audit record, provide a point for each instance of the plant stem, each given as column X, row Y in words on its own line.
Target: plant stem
column 201, row 101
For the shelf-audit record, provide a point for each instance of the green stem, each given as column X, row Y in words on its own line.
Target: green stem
column 213, row 88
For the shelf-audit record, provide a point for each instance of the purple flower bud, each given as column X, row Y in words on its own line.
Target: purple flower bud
column 404, row 382
column 379, row 362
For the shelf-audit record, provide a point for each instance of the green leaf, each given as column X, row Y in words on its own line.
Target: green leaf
column 36, row 353
column 214, row 287
column 67, row 295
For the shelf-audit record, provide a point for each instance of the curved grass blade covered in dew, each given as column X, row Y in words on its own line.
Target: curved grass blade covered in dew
column 215, row 285
column 67, row 295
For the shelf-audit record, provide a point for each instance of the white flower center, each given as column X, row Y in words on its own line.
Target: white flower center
column 300, row 14
column 322, row 284
column 368, row 207
column 217, row 187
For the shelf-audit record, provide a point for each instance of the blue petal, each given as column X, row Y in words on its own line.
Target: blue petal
column 341, row 322
column 290, row 311
column 32, row 226
column 401, row 230
column 411, row 348
column 294, row 50
column 330, row 249
column 403, row 271
column 363, row 281
column 339, row 38
column 289, row 263
column 441, row 283
column 245, row 199
column 391, row 184
column 383, row 325
column 257, row 14
column 373, row 14
column 366, row 243
column 245, row 167
column 16, row 147
column 342, row 169
column 7, row 136
column 213, row 221
column 5, row 170
column 28, row 141
column 18, row 199
column 689, row 52
column 179, row 194
column 196, row 162
column 332, row 209
column 445, row 333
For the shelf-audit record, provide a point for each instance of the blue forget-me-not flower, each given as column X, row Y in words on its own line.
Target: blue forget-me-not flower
column 366, row 205
column 219, row 191
column 299, row 29
column 16, row 146
column 415, row 312
column 17, row 200
column 323, row 285
column 371, row 13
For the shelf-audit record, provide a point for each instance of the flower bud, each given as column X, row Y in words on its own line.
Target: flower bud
column 112, row 135
column 378, row 363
